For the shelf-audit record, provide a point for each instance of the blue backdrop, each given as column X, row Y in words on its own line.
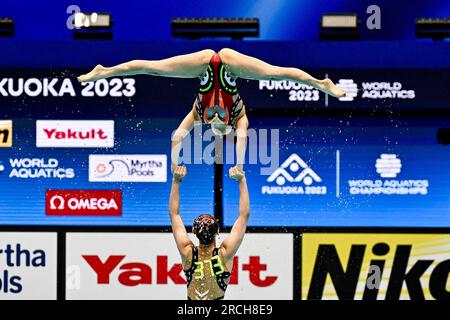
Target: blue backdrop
column 332, row 201
column 145, row 121
column 23, row 200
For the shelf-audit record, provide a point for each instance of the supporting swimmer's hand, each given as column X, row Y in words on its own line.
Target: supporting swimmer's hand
column 97, row 73
column 179, row 173
column 236, row 173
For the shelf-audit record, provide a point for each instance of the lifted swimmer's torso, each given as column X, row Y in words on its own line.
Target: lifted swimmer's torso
column 218, row 95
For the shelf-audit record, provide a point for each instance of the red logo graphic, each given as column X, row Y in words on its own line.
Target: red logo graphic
column 136, row 273
column 75, row 134
column 83, row 202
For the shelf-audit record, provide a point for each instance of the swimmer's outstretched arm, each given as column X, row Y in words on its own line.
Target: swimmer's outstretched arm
column 246, row 67
column 177, row 138
column 233, row 241
column 191, row 65
column 241, row 141
column 182, row 240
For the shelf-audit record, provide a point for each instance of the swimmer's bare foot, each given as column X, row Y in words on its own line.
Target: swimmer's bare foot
column 97, row 73
column 330, row 88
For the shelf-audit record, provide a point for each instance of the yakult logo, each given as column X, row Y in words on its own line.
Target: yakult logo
column 133, row 273
column 86, row 202
column 75, row 134
column 148, row 266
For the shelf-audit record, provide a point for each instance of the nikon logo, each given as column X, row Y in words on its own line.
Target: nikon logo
column 5, row 133
column 407, row 270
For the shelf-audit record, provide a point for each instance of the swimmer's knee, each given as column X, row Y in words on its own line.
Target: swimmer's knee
column 206, row 55
column 226, row 54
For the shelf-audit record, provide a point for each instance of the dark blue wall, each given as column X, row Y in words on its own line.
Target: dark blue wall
column 280, row 19
column 360, row 54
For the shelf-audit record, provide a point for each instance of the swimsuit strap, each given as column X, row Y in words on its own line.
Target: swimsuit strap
column 188, row 273
column 220, row 278
column 234, row 110
column 199, row 107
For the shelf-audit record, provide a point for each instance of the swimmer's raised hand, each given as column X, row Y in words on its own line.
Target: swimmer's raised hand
column 99, row 72
column 236, row 173
column 179, row 173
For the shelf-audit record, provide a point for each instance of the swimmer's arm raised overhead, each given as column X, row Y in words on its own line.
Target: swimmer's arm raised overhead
column 191, row 65
column 232, row 243
column 184, row 244
column 247, row 67
column 177, row 138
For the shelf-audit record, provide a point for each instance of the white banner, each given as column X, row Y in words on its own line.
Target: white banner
column 75, row 133
column 128, row 168
column 147, row 266
column 28, row 268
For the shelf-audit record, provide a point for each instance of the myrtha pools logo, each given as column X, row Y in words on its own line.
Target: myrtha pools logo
column 388, row 166
column 294, row 176
column 128, row 168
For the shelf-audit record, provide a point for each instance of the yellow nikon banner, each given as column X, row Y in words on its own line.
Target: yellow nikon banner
column 375, row 266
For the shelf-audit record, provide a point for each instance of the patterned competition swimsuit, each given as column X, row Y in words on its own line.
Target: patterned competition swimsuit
column 207, row 279
column 218, row 94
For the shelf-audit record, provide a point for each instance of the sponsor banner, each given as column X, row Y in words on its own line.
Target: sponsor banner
column 388, row 166
column 148, row 266
column 375, row 266
column 28, row 268
column 36, row 168
column 83, row 202
column 294, row 176
column 375, row 90
column 380, row 89
column 365, row 88
column 6, row 133
column 57, row 87
column 128, row 168
column 26, row 174
column 75, row 133
column 347, row 177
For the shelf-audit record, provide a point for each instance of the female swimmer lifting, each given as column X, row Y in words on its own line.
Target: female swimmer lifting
column 218, row 102
column 207, row 267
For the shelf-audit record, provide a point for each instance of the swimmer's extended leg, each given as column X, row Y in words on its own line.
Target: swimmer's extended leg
column 247, row 67
column 191, row 65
